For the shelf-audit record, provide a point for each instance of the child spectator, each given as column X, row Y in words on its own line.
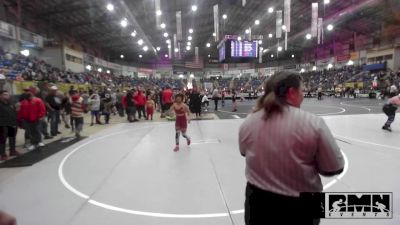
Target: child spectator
column 150, row 107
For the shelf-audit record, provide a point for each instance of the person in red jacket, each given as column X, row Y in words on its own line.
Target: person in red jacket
column 140, row 101
column 166, row 100
column 32, row 111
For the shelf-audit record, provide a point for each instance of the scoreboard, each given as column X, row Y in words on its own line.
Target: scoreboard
column 233, row 50
column 247, row 49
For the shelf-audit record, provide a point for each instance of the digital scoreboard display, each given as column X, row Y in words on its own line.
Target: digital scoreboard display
column 244, row 49
column 222, row 53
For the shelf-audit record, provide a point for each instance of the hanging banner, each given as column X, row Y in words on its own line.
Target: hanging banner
column 243, row 3
column 158, row 8
column 179, row 25
column 249, row 36
column 260, row 55
column 279, row 24
column 170, row 51
column 216, row 23
column 175, row 46
column 314, row 19
column 287, row 15
column 196, row 54
column 285, row 40
column 320, row 30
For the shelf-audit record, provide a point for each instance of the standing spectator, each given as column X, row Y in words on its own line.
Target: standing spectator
column 234, row 95
column 319, row 93
column 8, row 125
column 150, row 107
column 140, row 102
column 215, row 97
column 390, row 110
column 223, row 98
column 66, row 111
column 107, row 107
column 166, row 100
column 33, row 111
column 119, row 107
column 41, row 94
column 205, row 102
column 129, row 105
column 393, row 91
column 53, row 106
column 195, row 102
column 77, row 110
column 94, row 102
column 85, row 96
column 286, row 149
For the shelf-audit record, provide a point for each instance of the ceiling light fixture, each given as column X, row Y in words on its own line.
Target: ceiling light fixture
column 247, row 31
column 190, row 30
column 110, row 7
column 260, row 42
column 158, row 13
column 133, row 34
column 326, row 2
column 176, row 50
column 166, row 55
column 329, row 27
column 100, row 69
column 257, row 22
column 308, row 36
column 279, row 48
column 270, row 35
column 188, row 48
column 224, row 16
column 145, row 48
column 239, row 38
column 163, row 25
column 140, row 42
column 208, row 45
column 165, row 34
column 194, row 8
column 272, row 55
column 168, row 41
column 124, row 22
column 270, row 10
column 190, row 38
column 214, row 34
column 140, row 56
column 189, row 43
column 122, row 56
column 158, row 48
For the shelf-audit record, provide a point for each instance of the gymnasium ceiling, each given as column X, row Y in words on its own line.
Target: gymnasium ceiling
column 90, row 21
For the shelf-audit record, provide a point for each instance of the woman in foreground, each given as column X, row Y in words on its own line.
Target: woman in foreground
column 286, row 149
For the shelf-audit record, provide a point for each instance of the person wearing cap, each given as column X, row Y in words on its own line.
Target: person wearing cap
column 286, row 149
column 53, row 106
column 390, row 109
column 32, row 112
column 8, row 125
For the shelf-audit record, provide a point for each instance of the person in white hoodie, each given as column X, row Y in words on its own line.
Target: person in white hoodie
column 94, row 102
column 205, row 102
